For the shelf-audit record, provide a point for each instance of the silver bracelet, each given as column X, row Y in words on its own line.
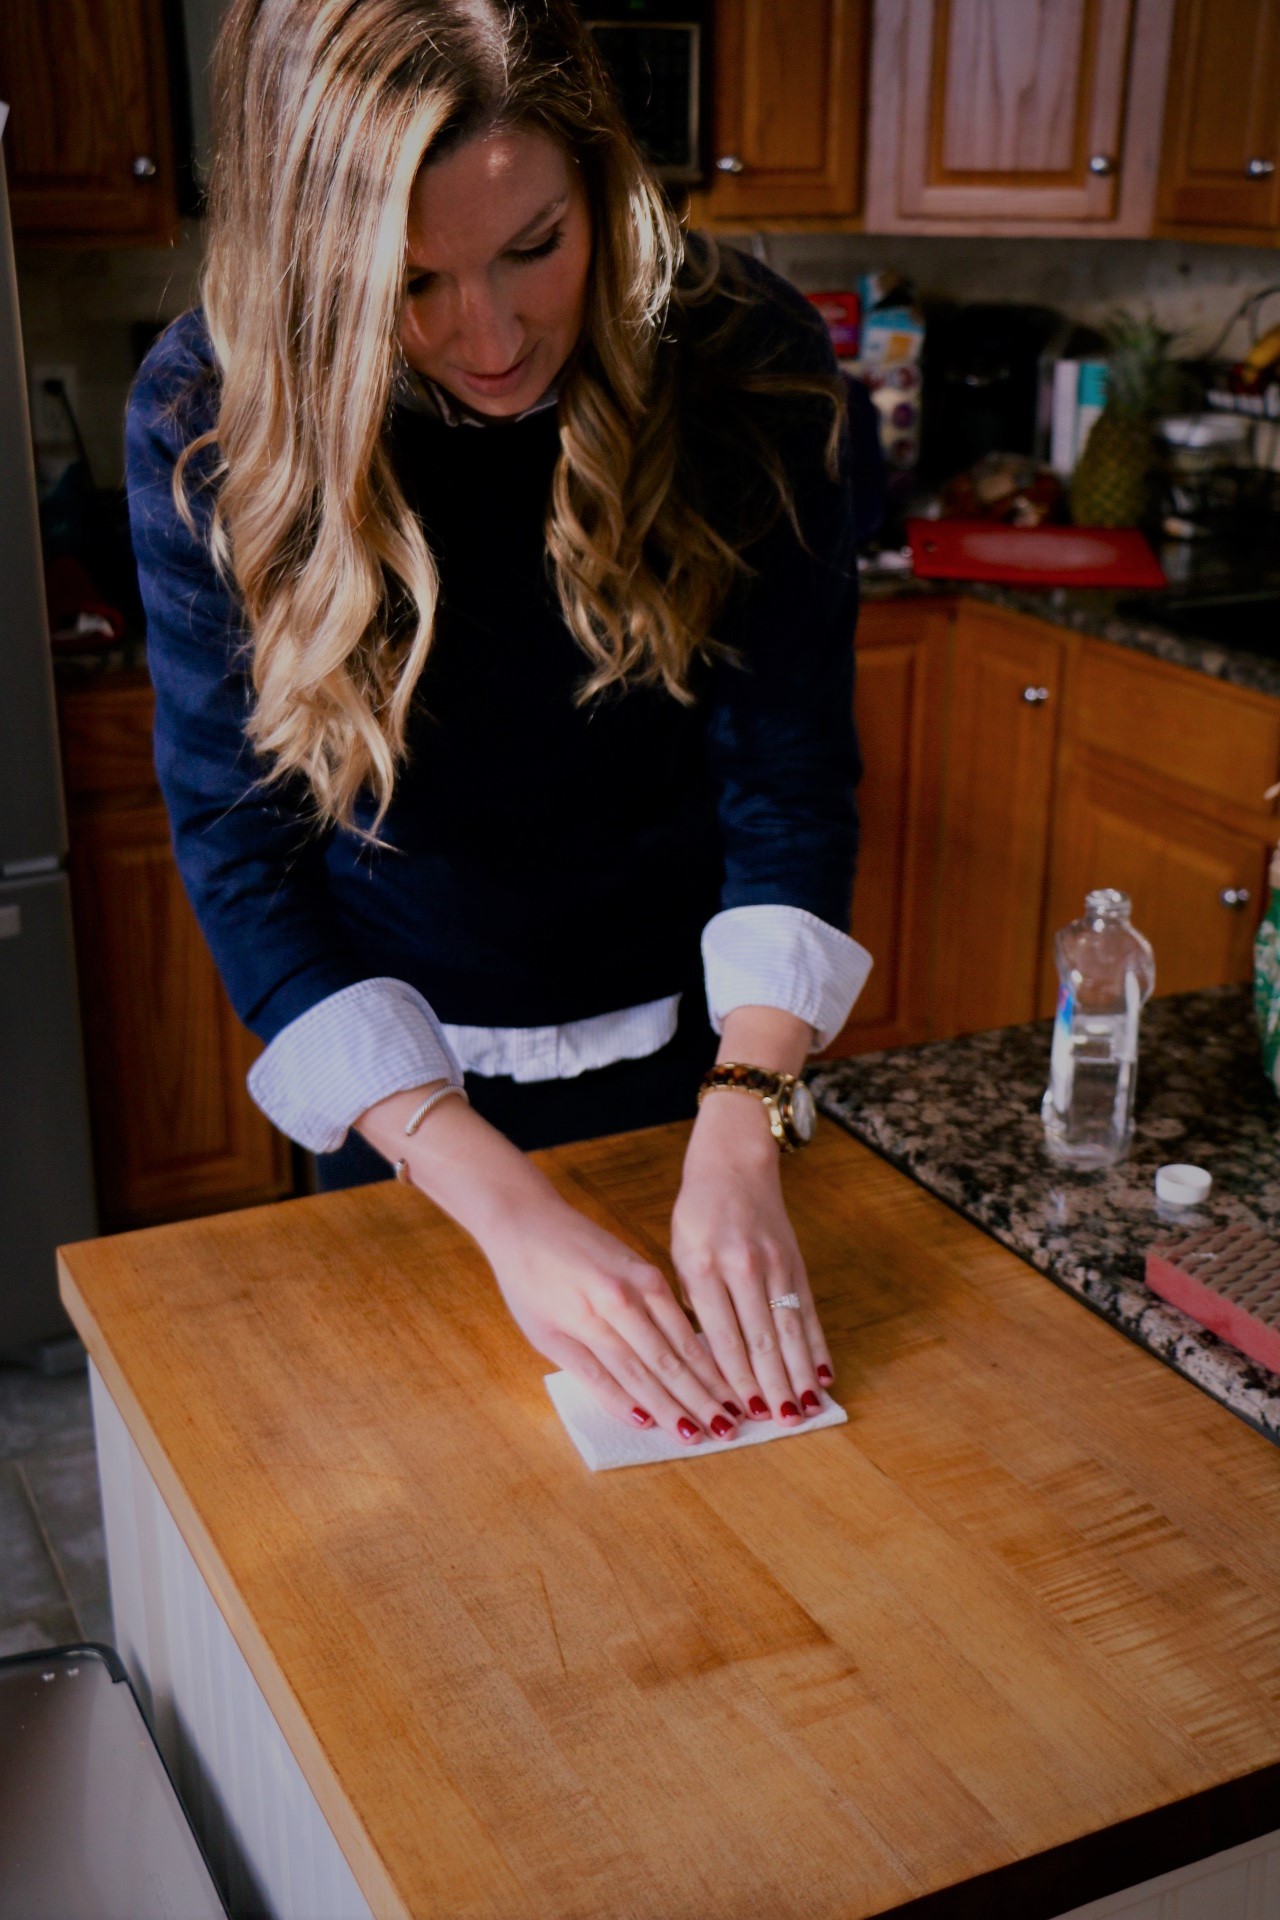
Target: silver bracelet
column 416, row 1119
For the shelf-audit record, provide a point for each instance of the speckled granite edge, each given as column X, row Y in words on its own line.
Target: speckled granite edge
column 962, row 1118
column 1092, row 611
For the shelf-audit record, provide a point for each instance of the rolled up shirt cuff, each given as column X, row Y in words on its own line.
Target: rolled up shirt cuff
column 784, row 957
column 346, row 1053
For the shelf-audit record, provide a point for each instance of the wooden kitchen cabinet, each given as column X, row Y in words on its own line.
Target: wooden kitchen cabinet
column 1008, row 116
column 175, row 1132
column 1011, row 766
column 1161, row 778
column 788, row 91
column 900, row 705
column 1219, row 743
column 1002, row 723
column 1194, row 883
column 89, row 142
column 1220, row 169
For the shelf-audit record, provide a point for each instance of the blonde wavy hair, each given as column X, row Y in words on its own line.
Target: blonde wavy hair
column 327, row 109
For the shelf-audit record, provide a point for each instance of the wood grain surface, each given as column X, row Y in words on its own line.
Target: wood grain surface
column 924, row 1661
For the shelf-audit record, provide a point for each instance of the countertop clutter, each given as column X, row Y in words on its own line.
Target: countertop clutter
column 963, row 1118
column 1002, row 1644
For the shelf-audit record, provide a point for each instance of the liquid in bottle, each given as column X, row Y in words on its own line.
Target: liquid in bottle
column 1106, row 973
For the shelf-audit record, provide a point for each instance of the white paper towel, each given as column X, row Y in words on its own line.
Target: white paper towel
column 605, row 1442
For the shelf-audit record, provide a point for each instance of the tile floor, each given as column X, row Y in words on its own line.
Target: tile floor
column 53, row 1571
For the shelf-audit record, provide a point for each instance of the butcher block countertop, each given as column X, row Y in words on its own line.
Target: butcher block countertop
column 1007, row 1641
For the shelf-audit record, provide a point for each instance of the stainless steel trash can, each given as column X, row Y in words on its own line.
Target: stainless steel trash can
column 90, row 1825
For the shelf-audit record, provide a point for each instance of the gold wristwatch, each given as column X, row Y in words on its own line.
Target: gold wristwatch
column 788, row 1102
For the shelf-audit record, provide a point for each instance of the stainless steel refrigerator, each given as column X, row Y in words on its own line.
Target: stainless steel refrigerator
column 46, row 1175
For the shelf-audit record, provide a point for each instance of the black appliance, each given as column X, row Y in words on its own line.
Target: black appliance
column 656, row 52
column 981, row 382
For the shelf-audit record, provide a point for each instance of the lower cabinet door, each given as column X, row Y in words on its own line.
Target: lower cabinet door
column 1198, row 887
column 1006, row 682
column 175, row 1132
column 900, row 709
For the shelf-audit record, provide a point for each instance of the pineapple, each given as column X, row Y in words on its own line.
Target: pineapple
column 1112, row 483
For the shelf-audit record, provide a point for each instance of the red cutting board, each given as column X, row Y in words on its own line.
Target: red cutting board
column 1032, row 556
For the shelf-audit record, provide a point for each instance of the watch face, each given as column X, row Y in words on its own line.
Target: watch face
column 804, row 1115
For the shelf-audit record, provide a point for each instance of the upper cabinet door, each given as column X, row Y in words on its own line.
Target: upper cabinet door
column 788, row 87
column 1016, row 115
column 88, row 144
column 1221, row 165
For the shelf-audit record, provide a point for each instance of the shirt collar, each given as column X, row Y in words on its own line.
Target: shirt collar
column 419, row 395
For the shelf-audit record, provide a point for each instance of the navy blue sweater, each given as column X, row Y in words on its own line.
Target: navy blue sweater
column 547, row 861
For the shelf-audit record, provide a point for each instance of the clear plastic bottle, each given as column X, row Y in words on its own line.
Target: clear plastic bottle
column 1106, row 971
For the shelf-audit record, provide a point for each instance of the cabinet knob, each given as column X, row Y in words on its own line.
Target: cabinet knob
column 144, row 167
column 1035, row 696
column 730, row 163
column 1234, row 897
column 1102, row 164
column 1260, row 169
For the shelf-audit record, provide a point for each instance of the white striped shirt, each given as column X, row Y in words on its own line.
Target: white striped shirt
column 380, row 1037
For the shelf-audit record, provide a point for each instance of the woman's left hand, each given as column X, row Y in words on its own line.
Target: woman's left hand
column 734, row 1249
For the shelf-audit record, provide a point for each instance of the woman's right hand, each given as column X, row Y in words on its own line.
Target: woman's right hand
column 597, row 1309
column 577, row 1293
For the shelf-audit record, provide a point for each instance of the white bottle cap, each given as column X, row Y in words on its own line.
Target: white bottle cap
column 1183, row 1186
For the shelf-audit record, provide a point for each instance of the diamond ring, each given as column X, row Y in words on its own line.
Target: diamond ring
column 786, row 1300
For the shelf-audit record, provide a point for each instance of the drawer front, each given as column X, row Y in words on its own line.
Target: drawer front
column 1178, row 723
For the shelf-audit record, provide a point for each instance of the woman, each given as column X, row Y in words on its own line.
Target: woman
column 500, row 596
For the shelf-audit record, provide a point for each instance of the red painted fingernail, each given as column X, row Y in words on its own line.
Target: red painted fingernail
column 641, row 1418
column 687, row 1430
column 789, row 1410
column 721, row 1427
column 825, row 1374
column 810, row 1401
column 735, row 1411
column 757, row 1406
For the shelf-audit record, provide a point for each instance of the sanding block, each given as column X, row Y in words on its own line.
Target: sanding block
column 1227, row 1278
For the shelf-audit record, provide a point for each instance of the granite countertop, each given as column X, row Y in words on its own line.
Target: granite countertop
column 1096, row 611
column 963, row 1118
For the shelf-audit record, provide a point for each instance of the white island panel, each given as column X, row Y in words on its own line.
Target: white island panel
column 270, row 1847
